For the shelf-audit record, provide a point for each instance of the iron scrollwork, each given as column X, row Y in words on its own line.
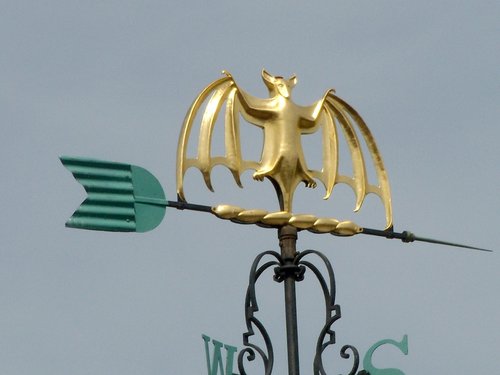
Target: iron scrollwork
column 251, row 307
column 295, row 269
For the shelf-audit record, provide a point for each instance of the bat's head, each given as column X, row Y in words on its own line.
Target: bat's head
column 279, row 85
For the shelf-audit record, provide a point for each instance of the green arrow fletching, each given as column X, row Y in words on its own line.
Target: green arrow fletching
column 121, row 197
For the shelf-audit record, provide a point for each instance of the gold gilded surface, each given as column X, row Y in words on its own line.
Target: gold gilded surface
column 347, row 228
column 226, row 211
column 303, row 221
column 280, row 218
column 283, row 123
column 251, row 216
column 325, row 225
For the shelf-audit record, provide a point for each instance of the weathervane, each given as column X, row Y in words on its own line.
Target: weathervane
column 124, row 197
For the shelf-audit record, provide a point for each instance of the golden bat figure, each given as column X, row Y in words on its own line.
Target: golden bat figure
column 282, row 160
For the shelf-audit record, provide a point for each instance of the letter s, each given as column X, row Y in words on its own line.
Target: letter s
column 367, row 361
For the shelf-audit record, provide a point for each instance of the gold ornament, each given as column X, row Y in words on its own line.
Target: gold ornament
column 282, row 160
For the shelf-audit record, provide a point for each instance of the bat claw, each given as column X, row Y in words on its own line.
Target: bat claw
column 259, row 176
column 310, row 183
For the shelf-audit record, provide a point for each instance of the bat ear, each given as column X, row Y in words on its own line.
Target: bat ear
column 269, row 80
column 293, row 79
column 267, row 77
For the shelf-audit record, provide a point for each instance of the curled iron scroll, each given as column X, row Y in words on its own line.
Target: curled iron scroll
column 332, row 313
column 251, row 307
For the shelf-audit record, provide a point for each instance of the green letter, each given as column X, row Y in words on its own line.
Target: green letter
column 367, row 361
column 216, row 365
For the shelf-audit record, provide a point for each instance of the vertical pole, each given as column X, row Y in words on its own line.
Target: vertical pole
column 288, row 239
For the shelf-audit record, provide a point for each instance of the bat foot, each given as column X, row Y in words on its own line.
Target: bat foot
column 259, row 176
column 309, row 182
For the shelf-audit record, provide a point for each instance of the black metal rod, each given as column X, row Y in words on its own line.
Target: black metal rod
column 292, row 339
column 407, row 236
column 188, row 206
column 288, row 240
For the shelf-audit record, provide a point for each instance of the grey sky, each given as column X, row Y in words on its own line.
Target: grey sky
column 113, row 80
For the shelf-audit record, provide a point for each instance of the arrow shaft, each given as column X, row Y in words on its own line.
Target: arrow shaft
column 174, row 204
column 430, row 240
column 407, row 236
column 152, row 201
column 188, row 206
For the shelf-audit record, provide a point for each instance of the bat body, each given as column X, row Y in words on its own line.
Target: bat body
column 283, row 123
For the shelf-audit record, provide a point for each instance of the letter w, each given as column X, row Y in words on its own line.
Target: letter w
column 216, row 366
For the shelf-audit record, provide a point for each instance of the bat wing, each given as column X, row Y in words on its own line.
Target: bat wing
column 336, row 113
column 222, row 92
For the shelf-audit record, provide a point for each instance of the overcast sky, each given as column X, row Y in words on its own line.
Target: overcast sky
column 113, row 80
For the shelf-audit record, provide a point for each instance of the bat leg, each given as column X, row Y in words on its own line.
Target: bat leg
column 260, row 174
column 308, row 180
column 310, row 184
column 266, row 172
